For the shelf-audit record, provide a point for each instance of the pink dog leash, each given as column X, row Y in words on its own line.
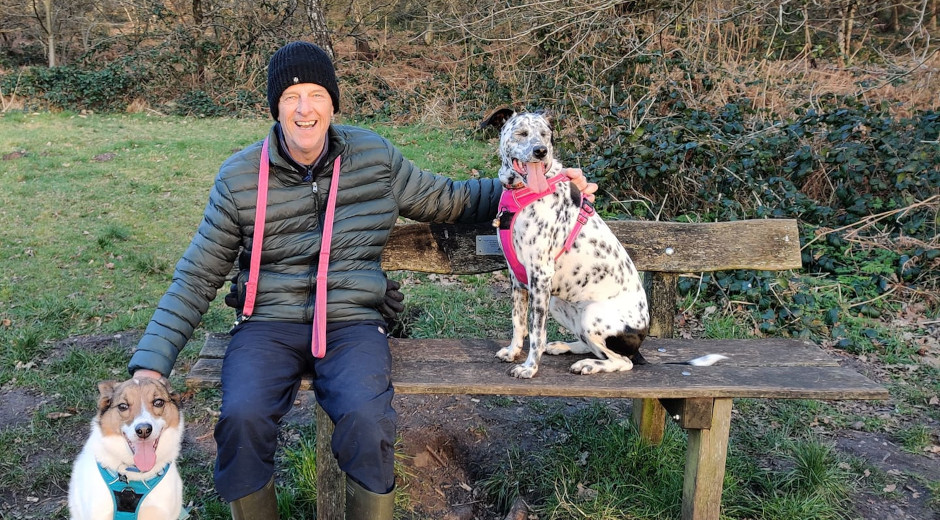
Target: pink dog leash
column 511, row 203
column 318, row 342
column 318, row 347
column 251, row 287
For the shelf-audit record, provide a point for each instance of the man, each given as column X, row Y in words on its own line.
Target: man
column 334, row 193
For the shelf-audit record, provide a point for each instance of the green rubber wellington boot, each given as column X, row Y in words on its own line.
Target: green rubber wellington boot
column 362, row 504
column 260, row 505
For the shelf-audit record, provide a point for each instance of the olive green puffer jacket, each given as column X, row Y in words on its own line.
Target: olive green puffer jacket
column 376, row 186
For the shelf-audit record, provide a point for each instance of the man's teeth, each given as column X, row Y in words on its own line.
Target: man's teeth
column 306, row 123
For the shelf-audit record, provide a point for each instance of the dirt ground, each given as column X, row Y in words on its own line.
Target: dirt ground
column 448, row 444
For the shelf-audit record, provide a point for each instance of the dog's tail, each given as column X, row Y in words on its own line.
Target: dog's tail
column 703, row 361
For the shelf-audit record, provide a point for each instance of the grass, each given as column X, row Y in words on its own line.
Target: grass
column 96, row 210
column 603, row 470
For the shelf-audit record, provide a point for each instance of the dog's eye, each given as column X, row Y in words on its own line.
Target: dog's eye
column 523, row 133
column 123, row 407
column 158, row 403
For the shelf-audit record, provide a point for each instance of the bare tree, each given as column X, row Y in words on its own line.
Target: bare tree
column 318, row 29
column 47, row 23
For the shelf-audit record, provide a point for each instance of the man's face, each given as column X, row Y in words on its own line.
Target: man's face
column 304, row 111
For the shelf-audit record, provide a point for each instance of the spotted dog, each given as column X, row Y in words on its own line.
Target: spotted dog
column 563, row 259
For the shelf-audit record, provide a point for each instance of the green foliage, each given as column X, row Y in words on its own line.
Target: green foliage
column 77, row 88
column 915, row 438
column 300, row 496
column 828, row 165
column 198, row 103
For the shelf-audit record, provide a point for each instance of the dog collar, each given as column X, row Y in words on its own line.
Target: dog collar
column 127, row 494
column 512, row 201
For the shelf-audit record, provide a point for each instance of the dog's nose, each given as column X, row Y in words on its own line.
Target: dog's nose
column 540, row 152
column 143, row 430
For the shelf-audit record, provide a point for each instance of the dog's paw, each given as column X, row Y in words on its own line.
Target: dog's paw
column 508, row 354
column 557, row 347
column 523, row 371
column 596, row 366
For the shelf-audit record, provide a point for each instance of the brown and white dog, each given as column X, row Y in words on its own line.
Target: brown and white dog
column 128, row 464
column 579, row 272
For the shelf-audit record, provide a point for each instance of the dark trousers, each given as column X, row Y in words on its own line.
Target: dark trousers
column 261, row 375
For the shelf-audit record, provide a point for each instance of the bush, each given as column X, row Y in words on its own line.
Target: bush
column 75, row 88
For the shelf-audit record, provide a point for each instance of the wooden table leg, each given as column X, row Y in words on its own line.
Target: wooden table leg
column 331, row 483
column 705, row 465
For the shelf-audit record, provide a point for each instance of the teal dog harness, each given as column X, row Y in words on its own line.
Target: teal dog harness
column 127, row 495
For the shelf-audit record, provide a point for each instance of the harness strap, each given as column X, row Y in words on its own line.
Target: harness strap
column 318, row 341
column 511, row 202
column 127, row 495
column 587, row 210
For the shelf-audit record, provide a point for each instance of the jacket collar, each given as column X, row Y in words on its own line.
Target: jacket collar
column 285, row 167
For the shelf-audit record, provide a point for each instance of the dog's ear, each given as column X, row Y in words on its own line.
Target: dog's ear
column 176, row 397
column 497, row 118
column 105, row 391
column 547, row 113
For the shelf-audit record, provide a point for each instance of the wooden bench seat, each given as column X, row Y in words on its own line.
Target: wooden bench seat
column 770, row 368
column 698, row 398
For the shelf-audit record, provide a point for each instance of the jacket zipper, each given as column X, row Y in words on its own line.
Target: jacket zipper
column 315, row 190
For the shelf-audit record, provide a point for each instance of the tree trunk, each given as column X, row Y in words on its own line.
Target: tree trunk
column 429, row 32
column 846, row 24
column 318, row 29
column 197, row 12
column 50, row 32
column 932, row 15
column 807, row 34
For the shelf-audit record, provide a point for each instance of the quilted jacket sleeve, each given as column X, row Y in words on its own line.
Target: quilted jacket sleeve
column 197, row 277
column 426, row 197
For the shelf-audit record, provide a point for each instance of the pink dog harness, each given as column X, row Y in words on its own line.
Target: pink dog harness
column 512, row 201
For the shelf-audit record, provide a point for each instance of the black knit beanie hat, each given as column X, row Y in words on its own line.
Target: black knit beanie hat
column 300, row 62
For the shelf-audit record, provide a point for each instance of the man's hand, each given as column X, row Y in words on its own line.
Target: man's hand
column 392, row 305
column 579, row 180
column 143, row 372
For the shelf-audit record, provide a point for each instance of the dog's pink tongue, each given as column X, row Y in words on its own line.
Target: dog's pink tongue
column 535, row 177
column 145, row 455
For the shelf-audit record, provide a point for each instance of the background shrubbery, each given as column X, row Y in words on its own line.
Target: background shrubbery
column 821, row 111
